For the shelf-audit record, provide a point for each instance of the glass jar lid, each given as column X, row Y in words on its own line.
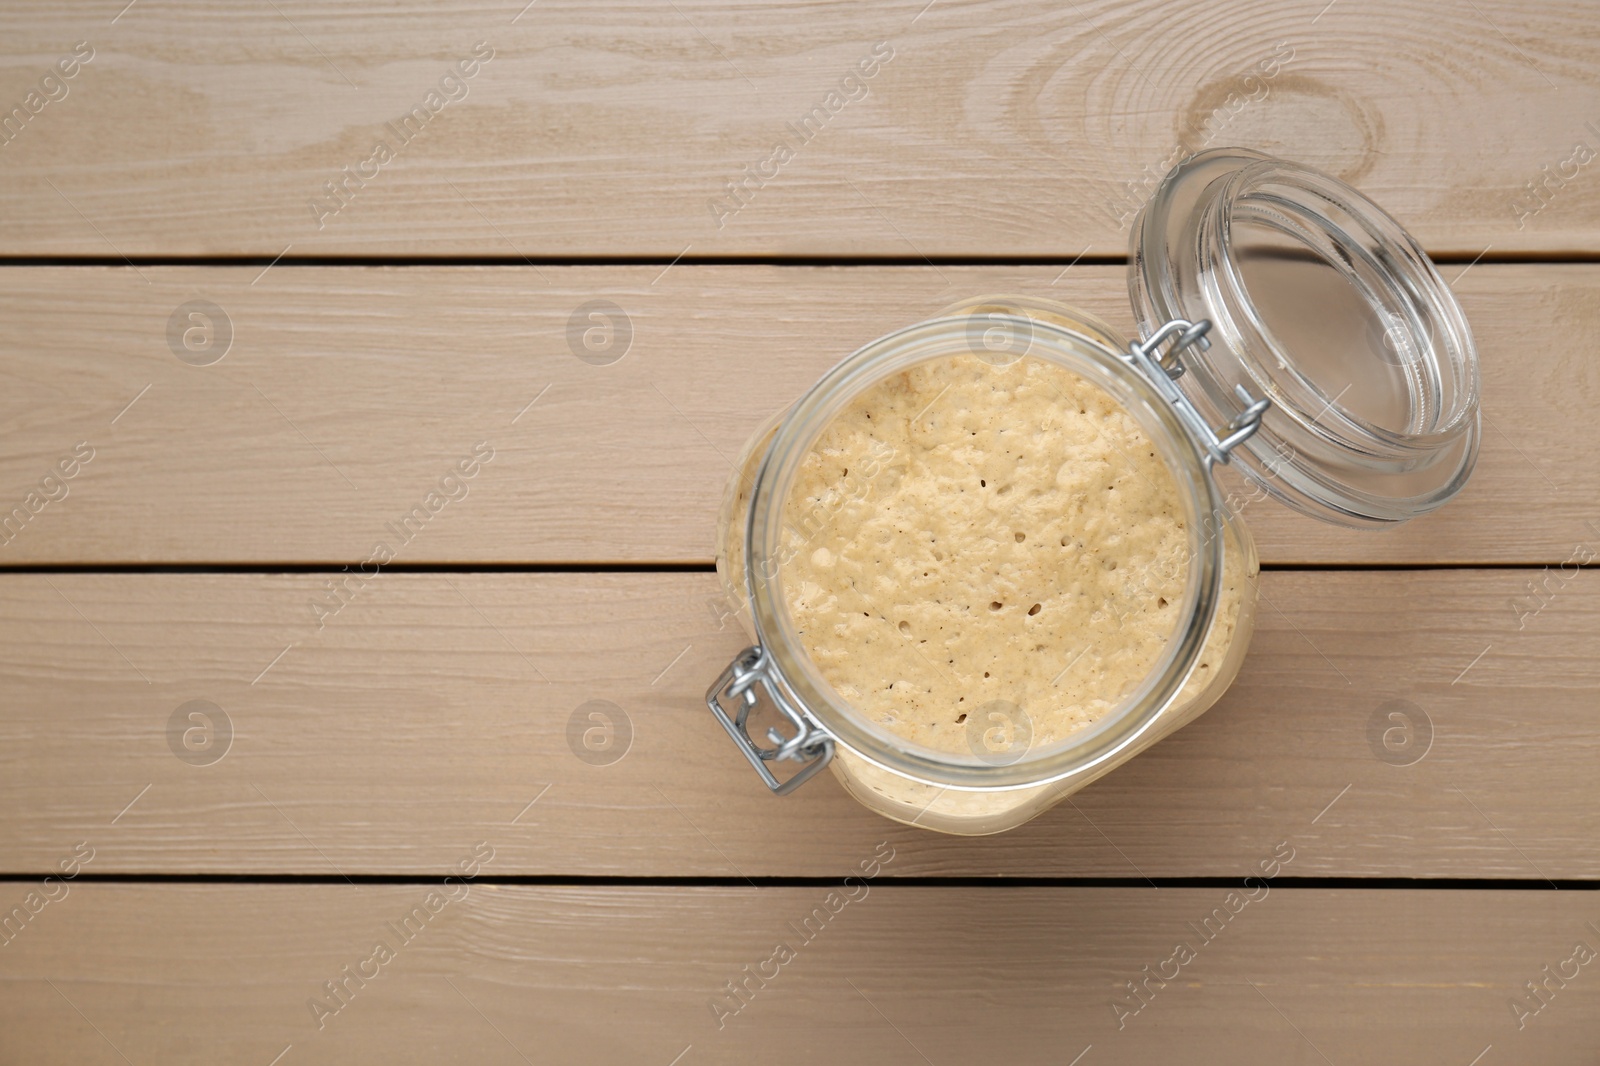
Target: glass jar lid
column 1322, row 303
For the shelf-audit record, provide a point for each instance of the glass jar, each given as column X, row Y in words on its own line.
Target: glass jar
column 1290, row 328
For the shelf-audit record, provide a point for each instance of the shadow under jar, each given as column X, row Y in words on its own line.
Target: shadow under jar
column 985, row 559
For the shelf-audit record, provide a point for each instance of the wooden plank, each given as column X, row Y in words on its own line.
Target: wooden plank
column 436, row 708
column 187, row 973
column 996, row 128
column 346, row 395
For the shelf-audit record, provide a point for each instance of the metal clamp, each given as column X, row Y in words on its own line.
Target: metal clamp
column 1163, row 368
column 810, row 745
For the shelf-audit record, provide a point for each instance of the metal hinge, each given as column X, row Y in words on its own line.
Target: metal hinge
column 1164, row 368
column 811, row 745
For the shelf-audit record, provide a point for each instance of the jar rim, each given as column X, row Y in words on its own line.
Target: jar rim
column 1090, row 357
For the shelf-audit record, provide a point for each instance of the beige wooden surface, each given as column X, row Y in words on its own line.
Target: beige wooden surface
column 224, row 973
column 1008, row 128
column 377, row 334
column 436, row 706
column 348, row 393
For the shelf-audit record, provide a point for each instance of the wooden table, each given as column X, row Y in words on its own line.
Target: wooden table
column 258, row 343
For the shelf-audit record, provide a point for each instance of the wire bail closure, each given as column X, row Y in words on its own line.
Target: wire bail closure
column 810, row 744
column 1163, row 368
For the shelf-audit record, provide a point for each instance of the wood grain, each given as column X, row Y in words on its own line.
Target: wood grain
column 180, row 973
column 997, row 128
column 434, row 710
column 391, row 729
column 347, row 394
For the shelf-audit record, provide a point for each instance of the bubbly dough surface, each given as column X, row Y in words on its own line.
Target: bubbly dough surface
column 965, row 533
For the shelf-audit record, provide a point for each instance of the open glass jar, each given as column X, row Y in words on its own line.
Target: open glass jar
column 1291, row 328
